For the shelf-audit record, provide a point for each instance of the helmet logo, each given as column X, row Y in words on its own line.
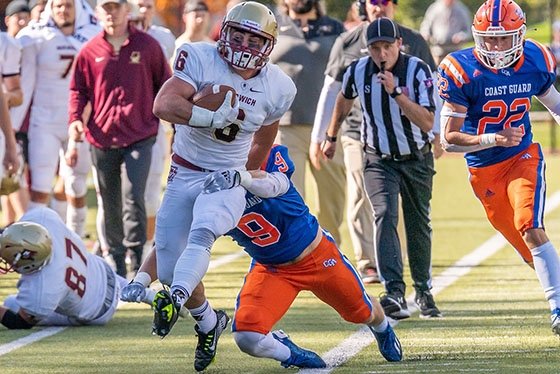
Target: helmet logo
column 251, row 24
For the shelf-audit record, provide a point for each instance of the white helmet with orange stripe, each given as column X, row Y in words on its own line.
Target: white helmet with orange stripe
column 498, row 19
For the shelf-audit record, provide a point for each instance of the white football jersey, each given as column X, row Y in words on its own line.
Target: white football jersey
column 47, row 62
column 73, row 283
column 264, row 99
column 10, row 55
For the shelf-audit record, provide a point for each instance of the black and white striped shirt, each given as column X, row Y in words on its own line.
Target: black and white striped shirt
column 384, row 126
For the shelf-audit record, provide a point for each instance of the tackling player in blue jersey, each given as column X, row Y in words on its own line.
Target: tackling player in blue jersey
column 487, row 92
column 291, row 253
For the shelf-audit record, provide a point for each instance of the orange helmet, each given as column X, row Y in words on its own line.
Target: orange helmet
column 498, row 18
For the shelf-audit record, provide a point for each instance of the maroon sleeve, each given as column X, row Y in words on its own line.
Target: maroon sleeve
column 78, row 89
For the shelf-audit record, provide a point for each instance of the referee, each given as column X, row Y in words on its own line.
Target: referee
column 396, row 96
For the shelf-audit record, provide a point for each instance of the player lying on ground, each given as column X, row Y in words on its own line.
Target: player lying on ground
column 61, row 283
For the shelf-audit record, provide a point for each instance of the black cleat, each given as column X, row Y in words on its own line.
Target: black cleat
column 165, row 313
column 208, row 343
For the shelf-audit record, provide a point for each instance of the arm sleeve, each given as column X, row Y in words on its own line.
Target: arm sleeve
column 551, row 100
column 325, row 107
column 272, row 185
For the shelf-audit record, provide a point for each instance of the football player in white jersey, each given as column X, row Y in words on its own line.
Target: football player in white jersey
column 61, row 283
column 13, row 204
column 189, row 222
column 48, row 51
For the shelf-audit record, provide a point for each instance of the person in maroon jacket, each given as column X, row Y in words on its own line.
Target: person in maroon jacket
column 118, row 72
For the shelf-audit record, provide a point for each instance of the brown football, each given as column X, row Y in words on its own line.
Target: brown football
column 212, row 96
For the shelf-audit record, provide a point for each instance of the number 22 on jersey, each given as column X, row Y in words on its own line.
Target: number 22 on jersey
column 518, row 106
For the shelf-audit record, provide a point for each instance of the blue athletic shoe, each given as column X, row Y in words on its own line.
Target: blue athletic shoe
column 555, row 318
column 389, row 344
column 299, row 357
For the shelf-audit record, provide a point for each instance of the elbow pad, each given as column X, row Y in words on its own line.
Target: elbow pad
column 273, row 185
column 14, row 321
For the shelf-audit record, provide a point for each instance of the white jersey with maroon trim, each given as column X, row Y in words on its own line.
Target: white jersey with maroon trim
column 74, row 282
column 263, row 98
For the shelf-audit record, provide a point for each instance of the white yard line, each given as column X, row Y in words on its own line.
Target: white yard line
column 363, row 337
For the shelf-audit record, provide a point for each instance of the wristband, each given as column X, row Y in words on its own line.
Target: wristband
column 201, row 117
column 246, row 179
column 73, row 144
column 331, row 139
column 487, row 139
column 143, row 278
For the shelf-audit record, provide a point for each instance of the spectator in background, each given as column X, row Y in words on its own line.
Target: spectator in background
column 304, row 43
column 17, row 16
column 446, row 26
column 398, row 111
column 48, row 51
column 347, row 48
column 555, row 47
column 352, row 16
column 197, row 20
column 119, row 72
column 37, row 7
column 13, row 204
column 8, row 148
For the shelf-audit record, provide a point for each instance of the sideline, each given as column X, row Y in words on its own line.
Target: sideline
column 362, row 338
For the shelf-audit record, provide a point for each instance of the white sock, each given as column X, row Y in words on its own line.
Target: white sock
column 76, row 219
column 204, row 316
column 381, row 327
column 547, row 267
column 59, row 206
column 260, row 345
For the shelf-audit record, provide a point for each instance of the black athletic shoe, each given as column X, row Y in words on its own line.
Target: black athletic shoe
column 394, row 305
column 427, row 305
column 208, row 343
column 165, row 313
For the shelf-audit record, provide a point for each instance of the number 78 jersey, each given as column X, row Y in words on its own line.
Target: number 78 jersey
column 496, row 99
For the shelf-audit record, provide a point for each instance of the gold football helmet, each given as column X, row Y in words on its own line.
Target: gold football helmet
column 9, row 184
column 248, row 17
column 25, row 247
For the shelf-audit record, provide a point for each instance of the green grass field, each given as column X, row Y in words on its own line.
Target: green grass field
column 495, row 316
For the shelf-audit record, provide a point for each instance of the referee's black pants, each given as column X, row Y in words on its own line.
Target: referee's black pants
column 385, row 180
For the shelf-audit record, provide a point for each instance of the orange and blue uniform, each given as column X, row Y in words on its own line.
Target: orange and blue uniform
column 275, row 232
column 509, row 181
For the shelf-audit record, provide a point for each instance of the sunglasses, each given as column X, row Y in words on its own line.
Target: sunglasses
column 381, row 2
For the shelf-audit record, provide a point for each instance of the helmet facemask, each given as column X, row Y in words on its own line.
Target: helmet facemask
column 242, row 57
column 499, row 59
column 247, row 17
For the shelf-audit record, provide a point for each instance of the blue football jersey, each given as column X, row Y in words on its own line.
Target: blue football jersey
column 276, row 230
column 496, row 99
